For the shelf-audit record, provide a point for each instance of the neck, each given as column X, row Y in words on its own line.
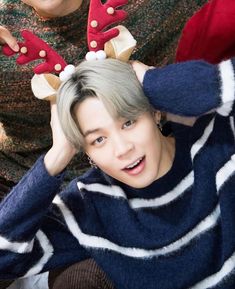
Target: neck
column 50, row 11
column 167, row 155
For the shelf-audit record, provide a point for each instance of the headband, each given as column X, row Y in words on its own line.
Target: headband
column 116, row 42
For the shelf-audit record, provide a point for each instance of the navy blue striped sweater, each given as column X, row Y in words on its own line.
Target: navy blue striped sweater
column 179, row 232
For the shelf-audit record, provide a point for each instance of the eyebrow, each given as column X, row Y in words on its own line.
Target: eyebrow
column 91, row 131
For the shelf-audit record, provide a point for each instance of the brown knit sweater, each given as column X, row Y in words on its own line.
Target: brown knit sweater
column 24, row 120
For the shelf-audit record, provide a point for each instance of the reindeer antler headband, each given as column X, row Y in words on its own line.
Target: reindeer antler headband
column 34, row 48
column 115, row 42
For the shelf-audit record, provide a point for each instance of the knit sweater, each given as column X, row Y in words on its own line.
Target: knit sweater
column 178, row 232
column 24, row 120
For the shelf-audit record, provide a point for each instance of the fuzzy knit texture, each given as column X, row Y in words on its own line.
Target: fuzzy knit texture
column 24, row 120
column 176, row 233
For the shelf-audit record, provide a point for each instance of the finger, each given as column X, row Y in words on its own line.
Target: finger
column 6, row 37
column 140, row 70
column 137, row 64
column 53, row 102
column 141, row 65
column 54, row 115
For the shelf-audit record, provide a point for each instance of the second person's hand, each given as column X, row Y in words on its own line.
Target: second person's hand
column 8, row 38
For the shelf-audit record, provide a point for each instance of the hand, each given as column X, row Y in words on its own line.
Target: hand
column 185, row 120
column 6, row 37
column 62, row 151
column 140, row 69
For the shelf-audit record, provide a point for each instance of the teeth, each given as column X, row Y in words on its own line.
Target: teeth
column 134, row 164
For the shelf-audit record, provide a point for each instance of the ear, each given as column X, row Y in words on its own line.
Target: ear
column 157, row 116
column 45, row 86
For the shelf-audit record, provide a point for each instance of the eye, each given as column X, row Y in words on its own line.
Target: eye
column 98, row 141
column 128, row 123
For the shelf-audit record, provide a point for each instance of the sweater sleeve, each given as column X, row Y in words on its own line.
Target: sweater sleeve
column 192, row 88
column 33, row 235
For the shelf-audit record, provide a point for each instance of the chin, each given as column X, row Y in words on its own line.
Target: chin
column 49, row 6
column 140, row 186
column 140, row 183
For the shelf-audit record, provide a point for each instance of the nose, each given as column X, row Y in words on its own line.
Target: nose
column 122, row 146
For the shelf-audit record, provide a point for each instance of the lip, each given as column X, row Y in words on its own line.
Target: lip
column 137, row 169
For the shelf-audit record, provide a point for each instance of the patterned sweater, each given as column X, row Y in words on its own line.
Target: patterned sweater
column 24, row 120
column 177, row 233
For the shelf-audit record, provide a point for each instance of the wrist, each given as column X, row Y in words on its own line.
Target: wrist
column 56, row 160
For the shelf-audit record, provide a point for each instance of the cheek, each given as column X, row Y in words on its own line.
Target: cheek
column 103, row 157
column 153, row 144
column 151, row 135
column 108, row 165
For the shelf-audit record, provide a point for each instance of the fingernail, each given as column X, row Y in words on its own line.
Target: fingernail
column 16, row 48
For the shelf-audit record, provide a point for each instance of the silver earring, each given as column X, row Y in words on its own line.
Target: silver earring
column 92, row 163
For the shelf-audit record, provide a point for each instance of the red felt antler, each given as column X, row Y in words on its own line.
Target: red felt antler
column 101, row 16
column 35, row 48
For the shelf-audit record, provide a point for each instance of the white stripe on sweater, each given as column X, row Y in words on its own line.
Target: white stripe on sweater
column 137, row 203
column 221, row 177
column 216, row 278
column 47, row 253
column 231, row 120
column 225, row 172
column 113, row 191
column 95, row 242
column 227, row 87
column 170, row 196
column 16, row 247
column 202, row 140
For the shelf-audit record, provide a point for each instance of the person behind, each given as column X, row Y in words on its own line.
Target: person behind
column 152, row 207
column 24, row 120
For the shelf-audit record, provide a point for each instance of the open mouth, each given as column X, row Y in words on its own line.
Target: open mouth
column 135, row 167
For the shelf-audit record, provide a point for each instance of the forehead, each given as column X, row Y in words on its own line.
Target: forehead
column 92, row 114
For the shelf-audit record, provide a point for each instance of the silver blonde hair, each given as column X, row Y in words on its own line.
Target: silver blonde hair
column 112, row 81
